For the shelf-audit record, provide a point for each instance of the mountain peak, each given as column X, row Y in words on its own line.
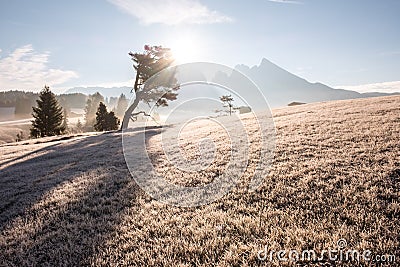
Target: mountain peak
column 265, row 61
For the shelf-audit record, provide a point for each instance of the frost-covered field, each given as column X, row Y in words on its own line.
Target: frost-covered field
column 8, row 133
column 72, row 201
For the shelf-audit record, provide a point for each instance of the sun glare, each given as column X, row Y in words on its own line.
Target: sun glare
column 186, row 50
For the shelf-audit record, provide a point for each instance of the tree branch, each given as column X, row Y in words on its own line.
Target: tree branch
column 134, row 116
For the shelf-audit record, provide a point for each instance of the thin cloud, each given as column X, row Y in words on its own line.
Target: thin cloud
column 286, row 1
column 25, row 69
column 170, row 12
column 390, row 53
column 384, row 87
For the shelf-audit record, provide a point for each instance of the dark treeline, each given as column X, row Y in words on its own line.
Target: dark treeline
column 75, row 100
column 24, row 101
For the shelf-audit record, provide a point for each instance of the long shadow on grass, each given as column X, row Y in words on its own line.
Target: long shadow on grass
column 73, row 232
column 24, row 182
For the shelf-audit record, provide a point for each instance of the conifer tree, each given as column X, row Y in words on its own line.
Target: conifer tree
column 65, row 120
column 79, row 126
column 105, row 121
column 48, row 115
column 121, row 106
column 92, row 104
column 112, row 121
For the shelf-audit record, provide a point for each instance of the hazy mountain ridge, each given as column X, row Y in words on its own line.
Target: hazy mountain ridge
column 281, row 87
column 278, row 85
column 104, row 91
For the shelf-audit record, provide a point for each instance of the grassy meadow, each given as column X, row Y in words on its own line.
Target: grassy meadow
column 336, row 175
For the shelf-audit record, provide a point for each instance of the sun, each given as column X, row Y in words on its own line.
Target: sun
column 185, row 50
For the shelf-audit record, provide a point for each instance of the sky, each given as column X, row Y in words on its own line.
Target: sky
column 351, row 44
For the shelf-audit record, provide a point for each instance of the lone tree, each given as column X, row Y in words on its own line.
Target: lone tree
column 146, row 64
column 227, row 102
column 48, row 115
column 105, row 121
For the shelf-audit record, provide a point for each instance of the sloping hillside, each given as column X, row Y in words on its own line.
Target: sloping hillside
column 336, row 176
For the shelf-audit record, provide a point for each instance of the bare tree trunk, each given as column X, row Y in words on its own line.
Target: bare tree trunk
column 135, row 103
column 129, row 112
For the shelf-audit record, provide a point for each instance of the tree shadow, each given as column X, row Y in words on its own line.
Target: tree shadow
column 45, row 149
column 24, row 182
column 65, row 233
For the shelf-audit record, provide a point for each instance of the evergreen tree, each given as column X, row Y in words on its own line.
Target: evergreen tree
column 101, row 115
column 105, row 121
column 112, row 122
column 90, row 110
column 112, row 102
column 121, row 106
column 79, row 126
column 48, row 115
column 65, row 121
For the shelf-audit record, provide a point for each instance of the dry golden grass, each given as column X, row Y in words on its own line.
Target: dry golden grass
column 336, row 175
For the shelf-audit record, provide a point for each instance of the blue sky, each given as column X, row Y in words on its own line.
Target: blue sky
column 348, row 44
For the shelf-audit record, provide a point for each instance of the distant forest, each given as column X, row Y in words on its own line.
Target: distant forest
column 24, row 101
